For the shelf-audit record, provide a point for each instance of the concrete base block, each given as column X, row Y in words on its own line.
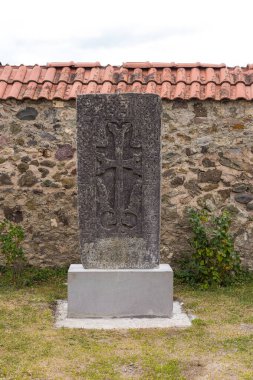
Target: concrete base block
column 100, row 293
column 179, row 319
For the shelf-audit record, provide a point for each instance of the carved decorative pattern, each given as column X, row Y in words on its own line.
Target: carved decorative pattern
column 119, row 179
column 119, row 173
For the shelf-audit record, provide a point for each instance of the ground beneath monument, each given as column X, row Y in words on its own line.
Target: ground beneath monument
column 218, row 345
column 178, row 319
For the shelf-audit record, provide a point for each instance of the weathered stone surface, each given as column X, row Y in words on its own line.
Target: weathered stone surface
column 29, row 113
column 3, row 141
column 47, row 136
column 177, row 181
column 224, row 193
column 32, row 142
column 34, row 162
column 47, row 163
column 206, row 162
column 49, row 183
column 118, row 141
column 15, row 128
column 180, row 103
column 25, row 159
column 232, row 209
column 68, row 183
column 244, row 198
column 190, row 151
column 209, row 205
column 204, row 149
column 169, row 173
column 250, row 206
column 23, row 167
column 208, row 186
column 207, row 201
column 5, row 179
column 192, row 187
column 65, row 152
column 14, row 214
column 233, row 164
column 62, row 216
column 212, row 176
column 46, row 153
column 28, row 179
column 20, row 141
column 44, row 172
column 57, row 176
column 200, row 110
column 240, row 187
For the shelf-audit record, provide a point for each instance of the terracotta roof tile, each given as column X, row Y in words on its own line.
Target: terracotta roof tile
column 73, row 64
column 65, row 80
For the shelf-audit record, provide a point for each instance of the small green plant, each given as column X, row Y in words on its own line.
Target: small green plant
column 11, row 237
column 214, row 260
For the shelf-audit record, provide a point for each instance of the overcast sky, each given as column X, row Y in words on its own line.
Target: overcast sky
column 112, row 32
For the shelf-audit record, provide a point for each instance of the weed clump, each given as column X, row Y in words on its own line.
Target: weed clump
column 11, row 238
column 214, row 260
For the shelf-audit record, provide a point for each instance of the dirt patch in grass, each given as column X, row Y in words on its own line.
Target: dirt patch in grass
column 130, row 371
column 194, row 369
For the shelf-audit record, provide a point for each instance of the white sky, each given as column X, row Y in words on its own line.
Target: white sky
column 112, row 32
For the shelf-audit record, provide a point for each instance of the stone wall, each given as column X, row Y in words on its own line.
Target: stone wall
column 207, row 162
column 38, row 177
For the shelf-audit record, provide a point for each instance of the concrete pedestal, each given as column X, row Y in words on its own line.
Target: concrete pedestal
column 101, row 293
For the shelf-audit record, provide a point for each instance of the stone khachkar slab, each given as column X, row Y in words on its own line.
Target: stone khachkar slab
column 118, row 144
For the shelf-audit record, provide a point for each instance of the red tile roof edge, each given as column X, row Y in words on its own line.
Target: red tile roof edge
column 73, row 64
column 66, row 80
column 134, row 65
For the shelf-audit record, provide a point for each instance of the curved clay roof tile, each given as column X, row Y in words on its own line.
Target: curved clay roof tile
column 65, row 80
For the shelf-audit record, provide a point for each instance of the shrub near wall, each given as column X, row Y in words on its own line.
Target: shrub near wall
column 207, row 162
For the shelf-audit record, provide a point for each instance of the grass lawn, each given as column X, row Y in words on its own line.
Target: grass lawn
column 219, row 345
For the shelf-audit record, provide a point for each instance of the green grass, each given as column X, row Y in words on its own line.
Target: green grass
column 219, row 345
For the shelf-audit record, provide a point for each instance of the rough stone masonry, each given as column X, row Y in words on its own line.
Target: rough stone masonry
column 118, row 149
column 207, row 156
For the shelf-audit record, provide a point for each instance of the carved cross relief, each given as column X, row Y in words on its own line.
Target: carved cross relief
column 119, row 179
